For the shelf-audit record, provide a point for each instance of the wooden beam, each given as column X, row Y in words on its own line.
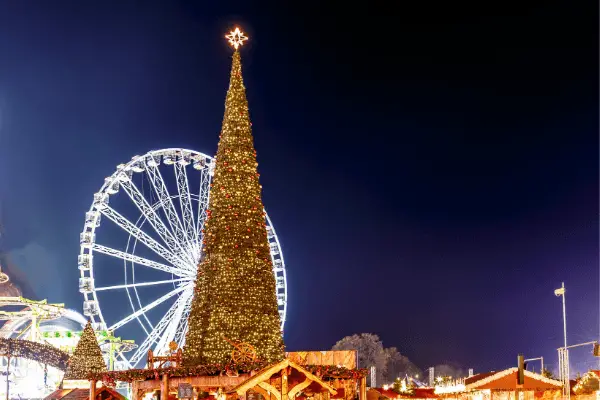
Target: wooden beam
column 164, row 387
column 315, row 378
column 261, row 391
column 260, row 376
column 363, row 388
column 284, row 384
column 271, row 389
column 92, row 390
column 134, row 390
column 299, row 387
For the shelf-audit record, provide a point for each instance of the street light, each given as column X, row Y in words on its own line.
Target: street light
column 563, row 357
column 561, row 292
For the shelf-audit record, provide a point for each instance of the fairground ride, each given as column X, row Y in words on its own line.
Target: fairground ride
column 23, row 323
column 27, row 323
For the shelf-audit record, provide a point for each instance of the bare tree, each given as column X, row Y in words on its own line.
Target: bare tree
column 388, row 362
column 370, row 352
column 449, row 370
column 400, row 366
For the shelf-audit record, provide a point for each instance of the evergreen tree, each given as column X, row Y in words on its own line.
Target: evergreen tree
column 86, row 357
column 403, row 386
column 235, row 293
column 548, row 374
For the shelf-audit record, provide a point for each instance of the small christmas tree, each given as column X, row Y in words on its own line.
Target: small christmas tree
column 404, row 386
column 87, row 356
column 548, row 374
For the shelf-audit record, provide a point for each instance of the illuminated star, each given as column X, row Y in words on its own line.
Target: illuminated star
column 236, row 38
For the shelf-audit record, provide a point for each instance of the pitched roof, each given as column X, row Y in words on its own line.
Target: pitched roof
column 81, row 394
column 475, row 378
column 267, row 372
column 418, row 393
column 491, row 377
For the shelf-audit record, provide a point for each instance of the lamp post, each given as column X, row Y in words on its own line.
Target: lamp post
column 563, row 358
column 561, row 292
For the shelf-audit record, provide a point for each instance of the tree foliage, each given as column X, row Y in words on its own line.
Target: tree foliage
column 389, row 363
column 400, row 366
column 449, row 371
column 587, row 384
column 548, row 374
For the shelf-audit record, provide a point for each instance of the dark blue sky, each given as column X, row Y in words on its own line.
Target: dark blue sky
column 432, row 171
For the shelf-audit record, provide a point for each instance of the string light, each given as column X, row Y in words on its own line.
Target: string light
column 87, row 356
column 235, row 293
column 400, row 386
column 589, row 383
column 325, row 372
column 40, row 352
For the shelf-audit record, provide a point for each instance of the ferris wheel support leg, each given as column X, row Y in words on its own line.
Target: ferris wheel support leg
column 175, row 322
column 183, row 326
column 152, row 338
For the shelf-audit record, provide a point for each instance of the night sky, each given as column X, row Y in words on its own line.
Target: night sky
column 432, row 172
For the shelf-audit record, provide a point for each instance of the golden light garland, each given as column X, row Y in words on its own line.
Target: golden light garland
column 235, row 294
column 589, row 383
column 325, row 372
column 40, row 352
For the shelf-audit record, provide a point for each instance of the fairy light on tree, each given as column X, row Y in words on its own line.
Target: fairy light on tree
column 235, row 295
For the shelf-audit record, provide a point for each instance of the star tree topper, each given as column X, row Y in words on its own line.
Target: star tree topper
column 236, row 38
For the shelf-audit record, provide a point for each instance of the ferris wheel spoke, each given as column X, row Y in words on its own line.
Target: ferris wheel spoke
column 142, row 236
column 203, row 201
column 169, row 208
column 175, row 322
column 183, row 326
column 139, row 260
column 152, row 216
column 157, row 332
column 134, row 285
column 124, row 359
column 185, row 200
column 147, row 307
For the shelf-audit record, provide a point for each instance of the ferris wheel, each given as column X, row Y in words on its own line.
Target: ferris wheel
column 141, row 245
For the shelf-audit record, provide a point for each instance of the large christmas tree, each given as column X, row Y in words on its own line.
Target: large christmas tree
column 235, row 295
column 86, row 358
